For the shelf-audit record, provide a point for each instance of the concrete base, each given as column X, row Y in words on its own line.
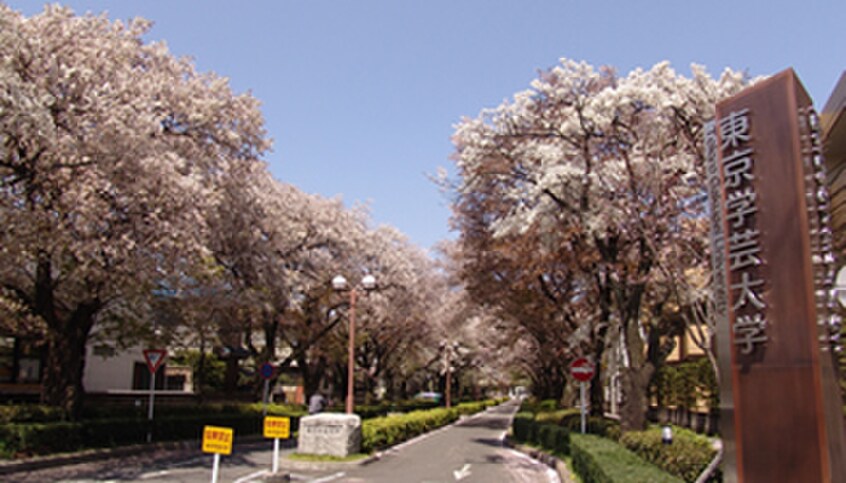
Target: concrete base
column 332, row 434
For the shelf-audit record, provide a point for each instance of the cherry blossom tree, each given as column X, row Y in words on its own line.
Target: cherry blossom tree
column 112, row 150
column 605, row 167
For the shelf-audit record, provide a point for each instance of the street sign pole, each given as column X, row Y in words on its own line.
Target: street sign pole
column 276, row 427
column 584, row 405
column 154, row 358
column 264, row 397
column 582, row 370
column 216, row 468
column 152, row 396
column 275, row 455
column 266, row 372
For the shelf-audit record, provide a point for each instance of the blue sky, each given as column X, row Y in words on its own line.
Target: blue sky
column 361, row 97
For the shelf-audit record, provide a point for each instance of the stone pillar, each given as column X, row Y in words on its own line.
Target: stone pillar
column 332, row 434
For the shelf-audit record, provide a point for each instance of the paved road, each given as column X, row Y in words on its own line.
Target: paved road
column 468, row 452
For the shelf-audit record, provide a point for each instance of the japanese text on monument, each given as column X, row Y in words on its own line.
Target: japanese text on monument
column 743, row 240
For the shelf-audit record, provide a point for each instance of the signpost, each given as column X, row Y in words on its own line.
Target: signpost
column 217, row 440
column 154, row 358
column 773, row 255
column 582, row 370
column 276, row 427
column 266, row 372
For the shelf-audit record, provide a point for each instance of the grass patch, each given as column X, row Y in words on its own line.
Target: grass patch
column 325, row 458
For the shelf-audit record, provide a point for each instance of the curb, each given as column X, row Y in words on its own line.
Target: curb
column 553, row 462
column 99, row 454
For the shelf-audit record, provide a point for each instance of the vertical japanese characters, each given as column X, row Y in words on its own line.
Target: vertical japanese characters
column 742, row 237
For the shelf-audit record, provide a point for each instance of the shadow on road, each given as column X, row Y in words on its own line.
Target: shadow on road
column 482, row 422
column 496, row 443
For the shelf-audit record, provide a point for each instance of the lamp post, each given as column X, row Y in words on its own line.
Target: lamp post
column 339, row 283
column 448, row 350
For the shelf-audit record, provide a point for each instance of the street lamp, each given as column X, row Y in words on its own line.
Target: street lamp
column 448, row 350
column 339, row 283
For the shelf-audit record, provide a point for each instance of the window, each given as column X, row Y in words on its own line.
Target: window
column 141, row 377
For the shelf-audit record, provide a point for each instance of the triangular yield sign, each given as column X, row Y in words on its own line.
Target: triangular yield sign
column 154, row 358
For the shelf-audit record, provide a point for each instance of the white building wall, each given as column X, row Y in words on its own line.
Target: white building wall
column 110, row 373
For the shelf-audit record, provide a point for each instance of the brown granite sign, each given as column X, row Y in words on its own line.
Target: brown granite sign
column 772, row 245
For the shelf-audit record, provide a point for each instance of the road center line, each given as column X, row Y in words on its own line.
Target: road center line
column 251, row 476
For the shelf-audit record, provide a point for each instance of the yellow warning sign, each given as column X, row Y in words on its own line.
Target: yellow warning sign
column 217, row 440
column 277, row 427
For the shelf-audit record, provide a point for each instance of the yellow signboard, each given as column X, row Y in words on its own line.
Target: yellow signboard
column 277, row 427
column 217, row 440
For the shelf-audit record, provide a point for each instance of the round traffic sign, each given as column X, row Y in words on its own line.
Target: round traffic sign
column 266, row 370
column 582, row 369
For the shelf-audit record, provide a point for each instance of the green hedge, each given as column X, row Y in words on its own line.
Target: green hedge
column 383, row 432
column 29, row 413
column 44, row 438
column 686, row 458
column 607, row 428
column 524, row 427
column 31, row 435
column 600, row 460
column 549, row 436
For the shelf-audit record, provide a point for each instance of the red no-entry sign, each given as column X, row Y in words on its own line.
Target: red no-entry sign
column 582, row 369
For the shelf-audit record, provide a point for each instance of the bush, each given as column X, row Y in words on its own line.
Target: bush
column 549, row 436
column 42, row 438
column 607, row 428
column 54, row 437
column 554, row 439
column 686, row 458
column 382, row 432
column 29, row 413
column 600, row 460
column 522, row 427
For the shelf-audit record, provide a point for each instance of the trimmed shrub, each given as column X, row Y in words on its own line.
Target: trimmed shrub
column 43, row 438
column 54, row 437
column 607, row 428
column 554, row 438
column 549, row 436
column 600, row 460
column 686, row 458
column 29, row 413
column 522, row 426
column 555, row 417
column 382, row 432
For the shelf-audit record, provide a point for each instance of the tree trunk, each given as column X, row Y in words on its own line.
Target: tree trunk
column 66, row 340
column 65, row 364
column 635, row 404
column 597, row 388
column 230, row 378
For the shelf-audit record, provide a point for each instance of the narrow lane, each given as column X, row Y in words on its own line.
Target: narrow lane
column 471, row 451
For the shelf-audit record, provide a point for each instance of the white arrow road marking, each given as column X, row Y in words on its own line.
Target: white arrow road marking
column 462, row 473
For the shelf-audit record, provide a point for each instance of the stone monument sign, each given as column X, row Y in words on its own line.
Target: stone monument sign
column 332, row 434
